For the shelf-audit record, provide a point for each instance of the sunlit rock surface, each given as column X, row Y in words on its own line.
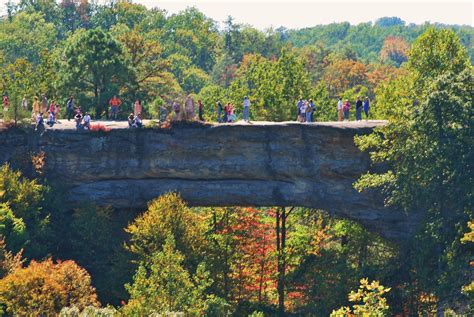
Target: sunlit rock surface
column 259, row 164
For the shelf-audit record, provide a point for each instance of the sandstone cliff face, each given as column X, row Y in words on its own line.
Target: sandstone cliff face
column 285, row 164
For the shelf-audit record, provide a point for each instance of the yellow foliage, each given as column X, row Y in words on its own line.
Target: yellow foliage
column 371, row 295
column 43, row 288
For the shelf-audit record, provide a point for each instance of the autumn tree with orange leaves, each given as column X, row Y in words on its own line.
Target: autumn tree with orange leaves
column 44, row 288
column 394, row 50
column 343, row 74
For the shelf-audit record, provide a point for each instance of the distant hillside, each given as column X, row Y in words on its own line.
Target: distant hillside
column 366, row 39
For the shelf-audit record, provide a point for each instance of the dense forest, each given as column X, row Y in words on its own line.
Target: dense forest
column 241, row 261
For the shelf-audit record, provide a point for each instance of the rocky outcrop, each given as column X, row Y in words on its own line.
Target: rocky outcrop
column 284, row 164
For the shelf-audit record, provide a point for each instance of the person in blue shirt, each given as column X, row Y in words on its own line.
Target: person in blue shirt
column 366, row 108
column 313, row 109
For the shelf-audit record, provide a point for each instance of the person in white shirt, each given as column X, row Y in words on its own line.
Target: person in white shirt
column 246, row 109
column 24, row 103
column 87, row 121
column 303, row 108
column 339, row 110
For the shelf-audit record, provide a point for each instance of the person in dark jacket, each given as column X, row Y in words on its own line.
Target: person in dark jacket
column 70, row 108
column 358, row 109
column 366, row 108
column 200, row 110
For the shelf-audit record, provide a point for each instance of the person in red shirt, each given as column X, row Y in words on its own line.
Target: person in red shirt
column 114, row 105
column 137, row 108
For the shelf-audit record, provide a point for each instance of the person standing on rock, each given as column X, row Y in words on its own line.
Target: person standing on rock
column 299, row 104
column 339, row 109
column 36, row 108
column 313, row 109
column 219, row 111
column 226, row 112
column 366, row 108
column 137, row 107
column 200, row 110
column 346, row 108
column 189, row 107
column 52, row 108
column 87, row 121
column 57, row 111
column 246, row 109
column 44, row 103
column 114, row 104
column 358, row 109
column 177, row 110
column 78, row 119
column 70, row 108
column 304, row 106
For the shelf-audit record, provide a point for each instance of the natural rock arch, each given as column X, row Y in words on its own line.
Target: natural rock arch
column 260, row 164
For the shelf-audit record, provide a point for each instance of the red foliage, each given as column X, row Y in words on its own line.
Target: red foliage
column 254, row 268
column 95, row 127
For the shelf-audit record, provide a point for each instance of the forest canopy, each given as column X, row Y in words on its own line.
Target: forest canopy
column 93, row 51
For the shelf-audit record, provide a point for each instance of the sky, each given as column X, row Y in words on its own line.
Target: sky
column 263, row 14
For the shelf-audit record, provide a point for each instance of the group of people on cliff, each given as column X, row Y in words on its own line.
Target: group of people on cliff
column 225, row 114
column 343, row 109
column 305, row 111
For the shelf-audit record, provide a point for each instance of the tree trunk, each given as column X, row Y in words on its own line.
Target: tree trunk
column 281, row 258
column 97, row 105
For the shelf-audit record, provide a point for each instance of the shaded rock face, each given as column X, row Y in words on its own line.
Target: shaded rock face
column 253, row 165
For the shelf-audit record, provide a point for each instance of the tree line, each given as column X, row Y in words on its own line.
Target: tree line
column 94, row 51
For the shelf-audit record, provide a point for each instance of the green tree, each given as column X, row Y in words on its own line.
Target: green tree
column 167, row 215
column 469, row 237
column 325, row 106
column 192, row 34
column 427, row 151
column 26, row 36
column 162, row 285
column 13, row 229
column 104, row 257
column 93, row 61
column 194, row 79
column 295, row 83
column 435, row 53
column 25, row 213
column 75, row 14
column 209, row 96
column 272, row 86
column 143, row 57
column 18, row 80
